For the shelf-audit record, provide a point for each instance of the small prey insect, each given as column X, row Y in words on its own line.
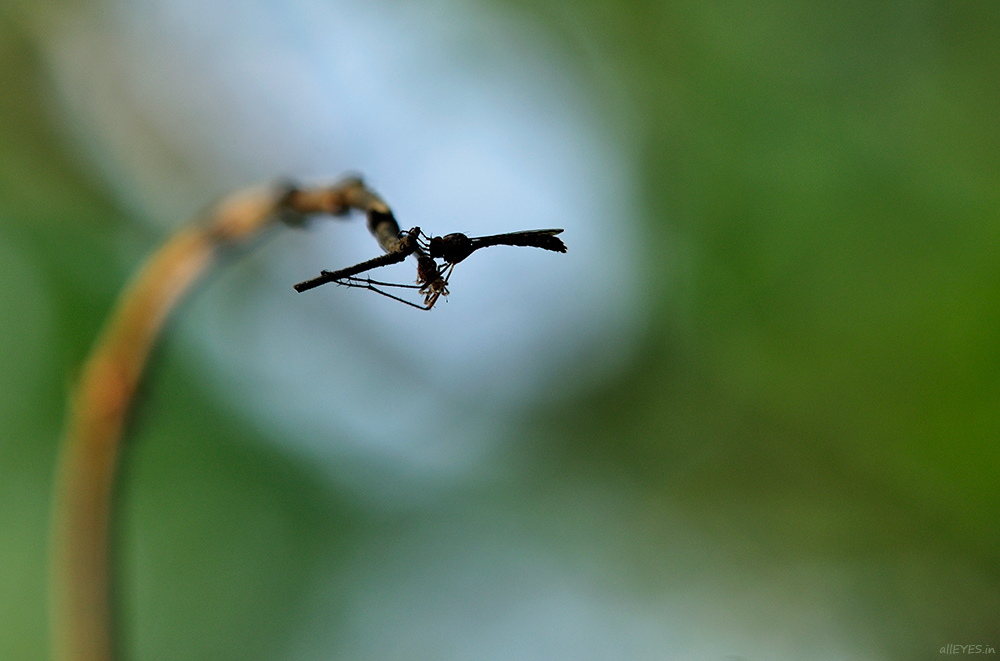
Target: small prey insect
column 432, row 279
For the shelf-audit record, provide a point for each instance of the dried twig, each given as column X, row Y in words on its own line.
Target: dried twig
column 85, row 481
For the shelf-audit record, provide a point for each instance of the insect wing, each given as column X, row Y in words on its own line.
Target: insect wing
column 545, row 239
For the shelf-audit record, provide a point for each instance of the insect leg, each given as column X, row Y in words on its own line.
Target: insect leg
column 369, row 284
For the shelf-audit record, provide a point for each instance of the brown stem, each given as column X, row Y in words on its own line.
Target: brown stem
column 82, row 628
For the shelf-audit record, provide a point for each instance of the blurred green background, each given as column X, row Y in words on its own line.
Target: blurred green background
column 799, row 461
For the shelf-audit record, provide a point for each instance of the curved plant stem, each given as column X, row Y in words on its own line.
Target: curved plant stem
column 82, row 627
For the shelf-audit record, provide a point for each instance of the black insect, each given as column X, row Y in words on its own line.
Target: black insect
column 432, row 279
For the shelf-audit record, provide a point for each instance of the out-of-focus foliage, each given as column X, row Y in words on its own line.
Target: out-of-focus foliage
column 810, row 425
column 831, row 177
column 824, row 181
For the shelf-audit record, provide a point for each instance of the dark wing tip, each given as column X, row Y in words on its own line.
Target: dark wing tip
column 552, row 243
column 545, row 239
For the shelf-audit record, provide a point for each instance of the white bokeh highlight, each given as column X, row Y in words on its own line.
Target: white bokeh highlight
column 461, row 120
